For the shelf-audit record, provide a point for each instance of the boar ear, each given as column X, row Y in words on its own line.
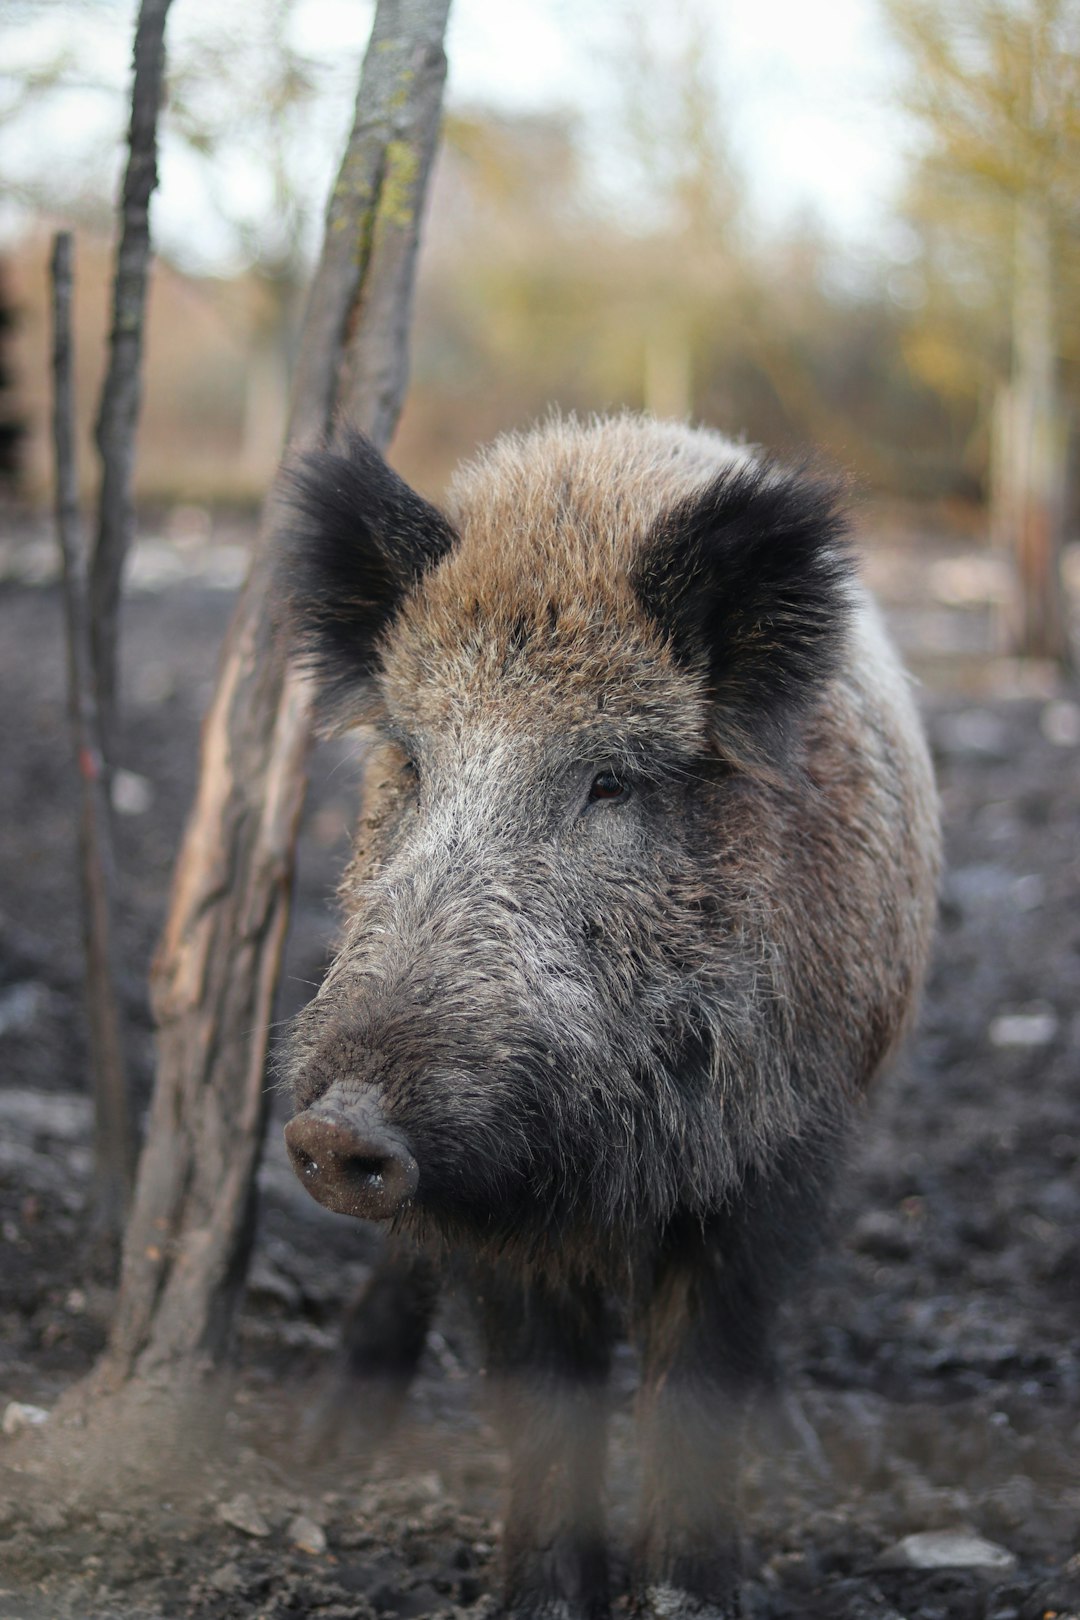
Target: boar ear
column 750, row 577
column 354, row 540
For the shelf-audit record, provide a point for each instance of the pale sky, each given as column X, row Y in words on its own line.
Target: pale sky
column 806, row 87
column 804, row 90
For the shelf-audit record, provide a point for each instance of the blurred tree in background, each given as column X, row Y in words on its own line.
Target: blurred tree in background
column 561, row 270
column 660, row 292
column 258, row 104
column 242, row 98
column 258, row 97
column 995, row 86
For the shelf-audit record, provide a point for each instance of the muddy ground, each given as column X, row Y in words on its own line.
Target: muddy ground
column 933, row 1356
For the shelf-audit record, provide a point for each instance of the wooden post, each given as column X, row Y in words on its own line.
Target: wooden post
column 113, row 1145
column 214, row 977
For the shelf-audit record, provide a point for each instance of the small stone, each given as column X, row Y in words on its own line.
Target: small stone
column 228, row 1578
column 132, row 794
column 18, row 1416
column 1024, row 1029
column 946, row 1549
column 242, row 1514
column 307, row 1535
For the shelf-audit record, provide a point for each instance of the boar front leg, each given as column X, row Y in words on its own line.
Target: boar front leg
column 689, row 1424
column 707, row 1352
column 548, row 1355
column 383, row 1338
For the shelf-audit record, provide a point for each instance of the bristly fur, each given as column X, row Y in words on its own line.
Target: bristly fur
column 742, row 946
column 751, row 577
column 356, row 540
column 620, row 1030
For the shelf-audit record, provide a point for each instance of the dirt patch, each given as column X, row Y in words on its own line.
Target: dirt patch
column 933, row 1356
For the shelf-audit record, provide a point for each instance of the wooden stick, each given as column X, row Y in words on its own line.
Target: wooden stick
column 118, row 412
column 113, row 1155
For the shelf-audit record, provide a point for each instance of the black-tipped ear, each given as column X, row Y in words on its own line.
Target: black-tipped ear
column 750, row 577
column 354, row 541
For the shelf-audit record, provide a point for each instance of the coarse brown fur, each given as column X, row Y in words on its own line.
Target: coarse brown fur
column 641, row 900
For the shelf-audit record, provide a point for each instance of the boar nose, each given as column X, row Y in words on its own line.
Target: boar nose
column 351, row 1159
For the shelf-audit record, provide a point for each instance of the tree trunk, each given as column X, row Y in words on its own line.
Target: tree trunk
column 1031, row 486
column 217, row 965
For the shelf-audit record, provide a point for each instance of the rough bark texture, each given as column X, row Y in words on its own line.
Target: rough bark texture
column 119, row 409
column 217, row 966
column 113, row 1146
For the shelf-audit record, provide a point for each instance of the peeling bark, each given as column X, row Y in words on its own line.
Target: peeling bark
column 217, row 965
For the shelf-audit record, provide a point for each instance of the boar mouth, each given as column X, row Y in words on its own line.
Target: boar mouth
column 351, row 1159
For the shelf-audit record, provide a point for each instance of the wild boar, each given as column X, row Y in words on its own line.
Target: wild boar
column 641, row 900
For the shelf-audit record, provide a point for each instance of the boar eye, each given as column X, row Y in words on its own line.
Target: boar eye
column 609, row 787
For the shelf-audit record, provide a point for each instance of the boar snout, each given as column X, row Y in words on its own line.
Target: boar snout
column 350, row 1158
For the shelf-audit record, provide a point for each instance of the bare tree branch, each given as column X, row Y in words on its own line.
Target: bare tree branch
column 113, row 1152
column 120, row 396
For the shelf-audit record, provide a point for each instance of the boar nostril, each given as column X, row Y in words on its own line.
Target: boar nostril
column 368, row 1167
column 303, row 1163
column 352, row 1160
